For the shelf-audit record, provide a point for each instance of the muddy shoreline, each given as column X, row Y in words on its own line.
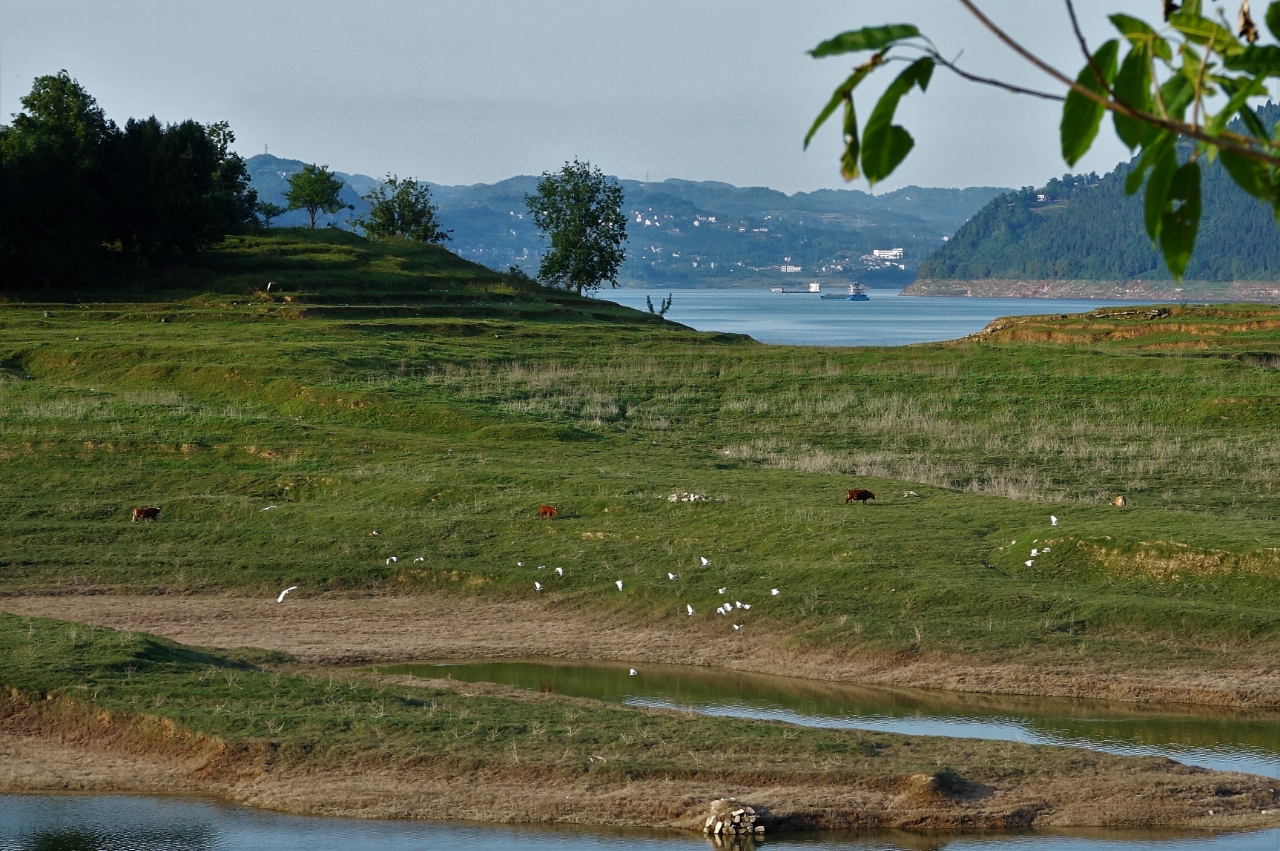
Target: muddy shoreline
column 335, row 630
column 62, row 745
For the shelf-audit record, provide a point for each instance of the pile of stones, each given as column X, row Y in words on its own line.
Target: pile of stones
column 729, row 818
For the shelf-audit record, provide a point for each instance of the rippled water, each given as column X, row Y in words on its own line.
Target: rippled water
column 1228, row 740
column 129, row 823
column 888, row 319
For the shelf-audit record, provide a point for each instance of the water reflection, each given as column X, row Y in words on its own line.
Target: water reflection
column 129, row 823
column 1229, row 740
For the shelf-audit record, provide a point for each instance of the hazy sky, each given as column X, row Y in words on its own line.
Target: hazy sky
column 480, row 90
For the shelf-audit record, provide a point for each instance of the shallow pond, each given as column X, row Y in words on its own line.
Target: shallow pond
column 1229, row 740
column 129, row 823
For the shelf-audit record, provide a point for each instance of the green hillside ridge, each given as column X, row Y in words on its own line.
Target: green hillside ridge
column 743, row 235
column 1082, row 228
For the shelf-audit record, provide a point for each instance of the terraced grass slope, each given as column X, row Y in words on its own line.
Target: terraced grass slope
column 278, row 436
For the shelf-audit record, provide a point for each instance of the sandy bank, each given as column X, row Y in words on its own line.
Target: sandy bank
column 334, row 630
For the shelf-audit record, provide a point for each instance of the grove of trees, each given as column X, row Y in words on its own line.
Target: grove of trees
column 80, row 191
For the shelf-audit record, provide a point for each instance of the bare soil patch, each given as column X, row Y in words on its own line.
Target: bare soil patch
column 339, row 631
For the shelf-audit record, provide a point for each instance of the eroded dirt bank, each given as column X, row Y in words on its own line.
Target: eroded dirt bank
column 334, row 630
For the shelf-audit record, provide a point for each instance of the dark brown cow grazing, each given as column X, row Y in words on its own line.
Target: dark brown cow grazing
column 858, row 496
column 547, row 511
column 145, row 514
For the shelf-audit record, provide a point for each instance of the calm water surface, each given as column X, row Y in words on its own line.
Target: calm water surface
column 888, row 319
column 128, row 823
column 1228, row 740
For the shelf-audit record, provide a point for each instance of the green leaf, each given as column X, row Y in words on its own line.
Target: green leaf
column 885, row 145
column 1261, row 59
column 1250, row 175
column 867, row 38
column 1133, row 87
column 1139, row 32
column 1151, row 151
column 1273, row 18
column 1241, row 90
column 849, row 159
column 1080, row 115
column 1163, row 167
column 1201, row 30
column 843, row 93
column 1131, row 27
column 1176, row 95
column 1180, row 220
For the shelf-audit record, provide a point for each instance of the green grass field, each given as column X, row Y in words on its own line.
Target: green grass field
column 401, row 390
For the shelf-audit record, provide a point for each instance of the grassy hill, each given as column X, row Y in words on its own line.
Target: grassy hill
column 301, row 272
column 445, row 420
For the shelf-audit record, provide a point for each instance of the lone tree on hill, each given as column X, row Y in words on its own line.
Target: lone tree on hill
column 403, row 209
column 315, row 189
column 581, row 210
column 1148, row 79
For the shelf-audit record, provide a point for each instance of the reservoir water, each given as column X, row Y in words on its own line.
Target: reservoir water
column 1223, row 739
column 131, row 823
column 887, row 319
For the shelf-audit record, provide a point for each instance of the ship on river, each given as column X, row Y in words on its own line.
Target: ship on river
column 855, row 293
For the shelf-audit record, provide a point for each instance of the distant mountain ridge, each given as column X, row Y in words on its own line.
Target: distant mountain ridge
column 685, row 233
column 1083, row 228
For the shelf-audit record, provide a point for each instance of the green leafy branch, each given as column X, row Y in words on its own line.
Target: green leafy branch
column 1189, row 62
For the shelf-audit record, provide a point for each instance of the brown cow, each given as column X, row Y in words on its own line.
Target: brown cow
column 145, row 514
column 547, row 511
column 1120, row 501
column 858, row 496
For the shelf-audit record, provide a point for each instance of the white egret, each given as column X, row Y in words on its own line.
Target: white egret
column 722, row 590
column 774, row 592
column 1053, row 521
column 418, row 559
column 391, row 560
column 746, row 605
column 542, row 567
column 373, row 534
column 619, row 584
column 1034, row 552
column 280, row 599
column 633, row 672
column 268, row 508
column 671, row 576
column 560, row 570
column 537, row 586
column 690, row 608
column 737, row 605
column 1045, row 550
column 737, row 626
column 1029, row 562
column 705, row 561
column 519, row 564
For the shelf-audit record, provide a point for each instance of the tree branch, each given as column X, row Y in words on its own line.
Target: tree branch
column 1084, row 48
column 999, row 84
column 1179, row 127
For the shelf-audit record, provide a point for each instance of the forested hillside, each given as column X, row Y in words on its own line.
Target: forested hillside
column 1085, row 228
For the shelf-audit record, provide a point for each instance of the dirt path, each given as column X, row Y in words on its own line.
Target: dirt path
column 335, row 630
